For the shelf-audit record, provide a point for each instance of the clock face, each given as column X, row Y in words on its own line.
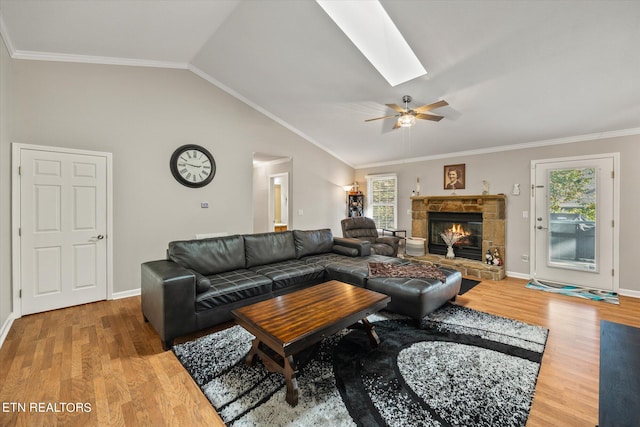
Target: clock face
column 193, row 166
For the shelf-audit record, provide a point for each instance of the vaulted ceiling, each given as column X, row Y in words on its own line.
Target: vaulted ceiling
column 515, row 73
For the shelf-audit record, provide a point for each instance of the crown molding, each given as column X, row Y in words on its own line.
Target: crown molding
column 89, row 59
column 86, row 59
column 105, row 60
column 526, row 145
column 197, row 71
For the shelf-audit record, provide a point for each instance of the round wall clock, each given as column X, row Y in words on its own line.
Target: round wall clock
column 192, row 166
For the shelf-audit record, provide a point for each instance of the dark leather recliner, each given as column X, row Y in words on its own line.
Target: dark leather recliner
column 365, row 229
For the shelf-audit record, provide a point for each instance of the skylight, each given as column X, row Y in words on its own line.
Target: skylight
column 368, row 26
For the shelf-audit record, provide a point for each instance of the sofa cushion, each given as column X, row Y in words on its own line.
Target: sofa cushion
column 232, row 286
column 291, row 273
column 311, row 242
column 209, row 256
column 268, row 248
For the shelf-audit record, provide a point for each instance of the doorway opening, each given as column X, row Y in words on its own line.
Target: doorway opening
column 279, row 201
column 272, row 193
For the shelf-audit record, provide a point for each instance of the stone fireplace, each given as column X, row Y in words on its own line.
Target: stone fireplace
column 485, row 219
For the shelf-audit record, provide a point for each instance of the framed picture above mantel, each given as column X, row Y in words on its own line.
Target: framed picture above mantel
column 455, row 177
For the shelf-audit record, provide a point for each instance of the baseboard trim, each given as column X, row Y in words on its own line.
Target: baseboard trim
column 6, row 328
column 629, row 293
column 515, row 275
column 126, row 294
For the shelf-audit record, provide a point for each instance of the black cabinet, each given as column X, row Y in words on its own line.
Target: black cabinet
column 355, row 205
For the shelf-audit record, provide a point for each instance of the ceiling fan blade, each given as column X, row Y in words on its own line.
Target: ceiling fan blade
column 398, row 108
column 397, row 125
column 380, row 118
column 428, row 107
column 432, row 117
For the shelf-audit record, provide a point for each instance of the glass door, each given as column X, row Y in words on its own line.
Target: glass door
column 573, row 222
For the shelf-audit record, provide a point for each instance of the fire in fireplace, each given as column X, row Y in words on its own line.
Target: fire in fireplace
column 467, row 224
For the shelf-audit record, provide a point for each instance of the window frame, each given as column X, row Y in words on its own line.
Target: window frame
column 370, row 203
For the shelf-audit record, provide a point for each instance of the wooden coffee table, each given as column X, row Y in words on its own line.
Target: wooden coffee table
column 286, row 325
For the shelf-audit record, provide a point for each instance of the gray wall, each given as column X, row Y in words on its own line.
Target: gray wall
column 504, row 169
column 142, row 115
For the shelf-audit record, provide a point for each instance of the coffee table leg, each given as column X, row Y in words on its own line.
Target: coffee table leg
column 286, row 367
column 253, row 352
column 373, row 337
column 292, row 383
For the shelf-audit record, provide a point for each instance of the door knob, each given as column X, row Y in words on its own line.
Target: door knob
column 541, row 227
column 98, row 237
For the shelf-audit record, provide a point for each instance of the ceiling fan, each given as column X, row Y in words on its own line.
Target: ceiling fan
column 407, row 117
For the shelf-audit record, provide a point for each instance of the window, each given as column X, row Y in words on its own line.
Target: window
column 383, row 201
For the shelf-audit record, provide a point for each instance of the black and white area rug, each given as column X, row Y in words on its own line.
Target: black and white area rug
column 456, row 367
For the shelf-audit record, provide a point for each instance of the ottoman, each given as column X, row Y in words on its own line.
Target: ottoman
column 417, row 297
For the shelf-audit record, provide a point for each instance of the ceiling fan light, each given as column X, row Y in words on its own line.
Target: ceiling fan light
column 406, row 121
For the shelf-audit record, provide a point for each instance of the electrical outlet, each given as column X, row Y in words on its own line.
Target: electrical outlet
column 300, row 212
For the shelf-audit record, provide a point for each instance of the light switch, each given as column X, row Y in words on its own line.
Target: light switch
column 525, row 214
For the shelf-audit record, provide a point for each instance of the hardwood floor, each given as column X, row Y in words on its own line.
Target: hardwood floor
column 104, row 356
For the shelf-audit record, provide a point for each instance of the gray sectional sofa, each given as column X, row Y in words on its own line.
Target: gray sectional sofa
column 201, row 281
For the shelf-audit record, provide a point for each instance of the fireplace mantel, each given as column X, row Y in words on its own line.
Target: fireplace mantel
column 466, row 199
column 492, row 207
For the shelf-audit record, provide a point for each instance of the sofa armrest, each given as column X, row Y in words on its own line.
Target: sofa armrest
column 168, row 293
column 362, row 246
column 389, row 240
column 392, row 241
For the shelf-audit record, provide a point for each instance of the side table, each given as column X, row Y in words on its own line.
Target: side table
column 393, row 231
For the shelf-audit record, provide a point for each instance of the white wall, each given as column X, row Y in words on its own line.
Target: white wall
column 142, row 115
column 504, row 169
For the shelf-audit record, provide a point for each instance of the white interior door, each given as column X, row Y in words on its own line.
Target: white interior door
column 278, row 200
column 63, row 228
column 574, row 206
